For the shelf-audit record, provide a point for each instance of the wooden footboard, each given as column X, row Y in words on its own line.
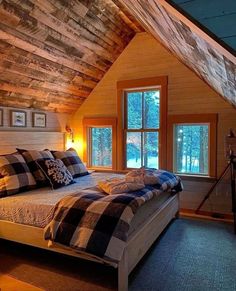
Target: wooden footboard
column 138, row 243
column 141, row 240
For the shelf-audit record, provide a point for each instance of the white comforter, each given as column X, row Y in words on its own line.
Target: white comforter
column 36, row 207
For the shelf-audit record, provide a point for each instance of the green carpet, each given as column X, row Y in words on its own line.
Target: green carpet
column 190, row 255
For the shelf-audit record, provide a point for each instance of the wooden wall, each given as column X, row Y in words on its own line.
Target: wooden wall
column 10, row 140
column 55, row 121
column 187, row 94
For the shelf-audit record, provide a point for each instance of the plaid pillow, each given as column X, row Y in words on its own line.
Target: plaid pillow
column 72, row 161
column 31, row 157
column 15, row 175
column 168, row 180
column 56, row 173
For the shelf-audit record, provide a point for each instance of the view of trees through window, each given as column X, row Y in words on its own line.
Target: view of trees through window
column 101, row 146
column 142, row 128
column 191, row 149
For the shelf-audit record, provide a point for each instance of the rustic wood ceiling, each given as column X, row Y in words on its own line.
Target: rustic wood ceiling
column 54, row 52
column 214, row 64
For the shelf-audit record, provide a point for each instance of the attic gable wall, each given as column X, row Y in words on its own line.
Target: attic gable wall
column 187, row 94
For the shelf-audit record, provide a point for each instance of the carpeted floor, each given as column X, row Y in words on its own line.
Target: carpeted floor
column 190, row 255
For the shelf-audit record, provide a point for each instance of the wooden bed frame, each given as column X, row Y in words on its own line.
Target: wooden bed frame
column 138, row 242
column 137, row 245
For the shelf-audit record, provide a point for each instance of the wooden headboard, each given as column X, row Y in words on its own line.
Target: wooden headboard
column 10, row 140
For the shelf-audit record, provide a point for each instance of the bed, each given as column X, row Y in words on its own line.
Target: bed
column 24, row 216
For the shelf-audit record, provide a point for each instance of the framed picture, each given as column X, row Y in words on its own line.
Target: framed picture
column 17, row 118
column 1, row 117
column 39, row 119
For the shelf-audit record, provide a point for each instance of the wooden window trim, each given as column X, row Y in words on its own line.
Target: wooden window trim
column 100, row 122
column 141, row 84
column 211, row 119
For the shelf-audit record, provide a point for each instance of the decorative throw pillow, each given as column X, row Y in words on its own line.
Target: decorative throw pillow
column 31, row 156
column 15, row 175
column 56, row 173
column 72, row 161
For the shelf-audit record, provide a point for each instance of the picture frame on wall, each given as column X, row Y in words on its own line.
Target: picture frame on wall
column 1, row 117
column 17, row 118
column 39, row 119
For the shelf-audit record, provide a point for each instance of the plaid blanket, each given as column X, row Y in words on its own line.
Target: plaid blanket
column 98, row 224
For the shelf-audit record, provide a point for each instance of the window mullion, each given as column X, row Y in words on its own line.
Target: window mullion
column 142, row 110
column 142, row 134
column 90, row 147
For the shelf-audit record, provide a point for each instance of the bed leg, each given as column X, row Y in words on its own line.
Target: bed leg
column 123, row 274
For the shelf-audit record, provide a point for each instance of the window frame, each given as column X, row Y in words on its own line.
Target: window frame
column 89, row 123
column 154, row 83
column 194, row 119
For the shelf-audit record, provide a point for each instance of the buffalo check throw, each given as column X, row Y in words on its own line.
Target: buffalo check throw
column 98, row 224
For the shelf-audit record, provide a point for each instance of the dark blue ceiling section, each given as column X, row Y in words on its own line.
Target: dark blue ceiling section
column 217, row 16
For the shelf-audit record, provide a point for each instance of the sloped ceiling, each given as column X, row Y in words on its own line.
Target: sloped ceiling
column 215, row 17
column 213, row 63
column 54, row 52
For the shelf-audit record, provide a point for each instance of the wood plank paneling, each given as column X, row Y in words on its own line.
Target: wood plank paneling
column 144, row 57
column 10, row 140
column 52, row 49
column 196, row 49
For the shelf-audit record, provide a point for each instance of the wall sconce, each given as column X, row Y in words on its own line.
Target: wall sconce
column 70, row 132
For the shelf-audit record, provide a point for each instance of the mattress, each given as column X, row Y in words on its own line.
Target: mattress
column 35, row 207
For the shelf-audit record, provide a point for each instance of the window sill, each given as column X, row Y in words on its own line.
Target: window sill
column 106, row 170
column 196, row 178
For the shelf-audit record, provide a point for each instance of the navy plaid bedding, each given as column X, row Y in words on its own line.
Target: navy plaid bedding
column 98, row 224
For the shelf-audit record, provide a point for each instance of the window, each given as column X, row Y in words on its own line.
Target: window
column 191, row 155
column 142, row 110
column 141, row 128
column 193, row 144
column 100, row 142
column 101, row 146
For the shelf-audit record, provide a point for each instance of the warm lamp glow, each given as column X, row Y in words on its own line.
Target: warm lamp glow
column 70, row 144
column 75, row 144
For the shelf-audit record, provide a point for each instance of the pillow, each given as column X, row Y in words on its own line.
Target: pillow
column 72, row 161
column 168, row 180
column 119, row 185
column 15, row 175
column 151, row 176
column 56, row 173
column 31, row 156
